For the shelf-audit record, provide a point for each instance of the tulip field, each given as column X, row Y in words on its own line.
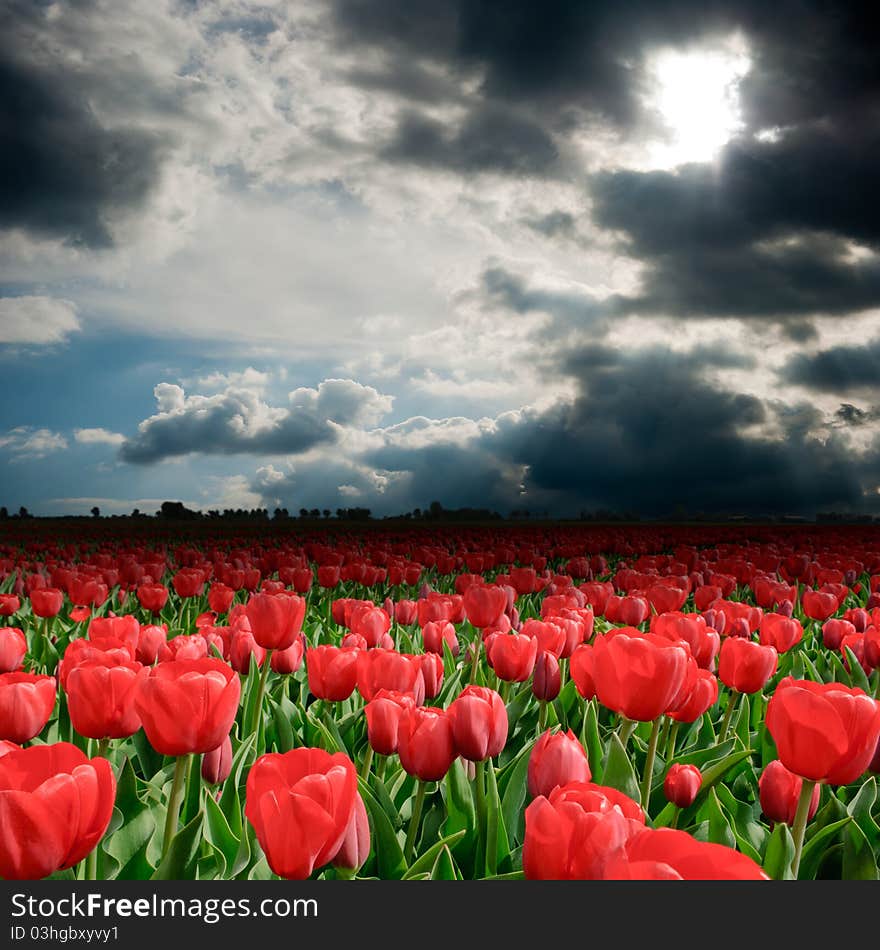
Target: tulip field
column 403, row 701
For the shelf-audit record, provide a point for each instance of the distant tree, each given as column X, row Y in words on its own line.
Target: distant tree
column 304, row 512
column 23, row 512
column 315, row 513
column 4, row 513
column 326, row 512
column 96, row 512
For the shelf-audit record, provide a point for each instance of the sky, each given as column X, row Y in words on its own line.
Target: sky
column 555, row 256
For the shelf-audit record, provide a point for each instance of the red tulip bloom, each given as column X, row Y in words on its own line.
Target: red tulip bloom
column 425, row 743
column 328, row 576
column 188, row 705
column 372, row 623
column 55, row 805
column 290, row 659
column 780, row 632
column 26, row 702
column 701, row 697
column 667, row 854
column 275, row 619
column 355, row 847
column 581, row 666
column 9, row 604
column 819, row 605
column 630, row 611
column 332, row 671
column 823, row 731
column 152, row 597
column 556, row 759
column 47, row 601
column 189, row 582
column 636, row 676
column 100, row 697
column 388, row 669
column 550, row 636
column 13, row 647
column 217, row 764
column 406, row 612
column 780, row 790
column 682, row 783
column 572, row 833
column 220, row 598
column 512, row 657
column 484, row 605
column 432, row 673
column 479, row 723
column 243, row 649
column 833, row 632
column 703, row 640
column 111, row 630
column 383, row 713
column 746, row 666
column 435, row 633
column 546, row 679
column 300, row 805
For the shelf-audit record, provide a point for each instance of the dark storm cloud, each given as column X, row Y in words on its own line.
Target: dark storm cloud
column 849, row 415
column 61, row 171
column 840, row 369
column 501, row 287
column 489, row 140
column 648, row 433
column 238, row 421
column 554, row 224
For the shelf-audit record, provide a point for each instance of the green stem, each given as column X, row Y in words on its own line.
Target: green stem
column 542, row 715
column 626, row 728
column 800, row 824
column 414, row 821
column 177, row 789
column 380, row 767
column 261, row 689
column 675, row 814
column 480, row 803
column 475, row 665
column 368, row 761
column 505, row 692
column 670, row 739
column 731, row 705
column 649, row 761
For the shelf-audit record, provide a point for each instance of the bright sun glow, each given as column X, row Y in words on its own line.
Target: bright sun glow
column 696, row 95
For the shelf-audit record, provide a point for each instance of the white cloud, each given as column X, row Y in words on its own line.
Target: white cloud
column 98, row 436
column 24, row 442
column 36, row 320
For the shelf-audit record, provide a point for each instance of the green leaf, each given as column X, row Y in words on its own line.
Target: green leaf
column 128, row 846
column 712, row 774
column 515, row 795
column 859, row 863
column 389, row 854
column 179, row 863
column 426, row 861
column 592, row 742
column 618, row 771
column 815, row 849
column 720, row 831
column 779, row 854
column 219, row 835
column 857, row 674
column 444, row 868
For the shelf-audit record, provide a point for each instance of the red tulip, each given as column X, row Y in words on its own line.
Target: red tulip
column 152, row 597
column 664, row 853
column 290, row 659
column 387, row 669
column 779, row 791
column 189, row 582
column 833, row 632
column 243, row 648
column 13, row 647
column 819, row 605
column 372, row 623
column 300, row 805
column 26, row 702
column 47, row 601
column 220, row 598
column 425, row 743
column 636, row 676
column 437, row 632
column 332, row 671
column 682, row 783
column 275, row 619
column 55, row 805
column 484, row 605
column 512, row 657
column 479, row 723
column 780, row 632
column 546, row 679
column 355, row 847
column 9, row 604
column 556, row 759
column 432, row 674
column 188, row 705
column 100, row 697
column 700, row 698
column 746, row 666
column 823, row 731
column 383, row 713
column 572, row 833
column 581, row 666
column 217, row 764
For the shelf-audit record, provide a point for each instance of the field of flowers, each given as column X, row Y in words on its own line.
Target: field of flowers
column 468, row 702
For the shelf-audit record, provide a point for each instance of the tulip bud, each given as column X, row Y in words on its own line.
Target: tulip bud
column 779, row 791
column 740, row 628
column 786, row 608
column 556, row 759
column 682, row 784
column 355, row 847
column 546, row 679
column 217, row 764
